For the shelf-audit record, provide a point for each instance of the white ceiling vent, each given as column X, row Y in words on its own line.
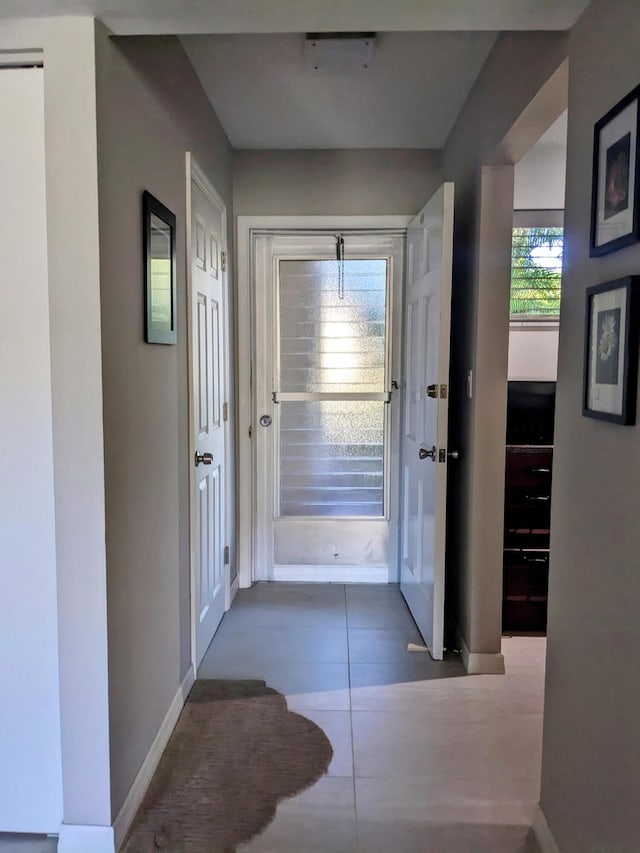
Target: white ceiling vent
column 339, row 52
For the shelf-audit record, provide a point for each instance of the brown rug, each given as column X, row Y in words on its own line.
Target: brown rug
column 236, row 752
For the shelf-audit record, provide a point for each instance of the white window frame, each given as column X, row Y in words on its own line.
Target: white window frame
column 246, row 228
column 535, row 219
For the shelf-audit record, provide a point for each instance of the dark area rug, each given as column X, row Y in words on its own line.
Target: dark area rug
column 236, row 752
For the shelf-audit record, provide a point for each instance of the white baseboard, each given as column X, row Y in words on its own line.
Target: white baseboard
column 137, row 791
column 74, row 838
column 542, row 832
column 480, row 663
column 331, row 574
column 235, row 586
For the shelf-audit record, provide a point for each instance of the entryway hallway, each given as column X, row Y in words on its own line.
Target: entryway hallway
column 426, row 758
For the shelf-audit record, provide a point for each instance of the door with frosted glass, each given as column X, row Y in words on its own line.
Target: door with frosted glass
column 326, row 421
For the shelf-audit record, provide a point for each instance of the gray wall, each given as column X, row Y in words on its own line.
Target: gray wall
column 591, row 752
column 151, row 109
column 342, row 182
column 518, row 66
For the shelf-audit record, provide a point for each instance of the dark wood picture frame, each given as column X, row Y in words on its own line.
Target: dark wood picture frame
column 159, row 254
column 616, row 145
column 614, row 364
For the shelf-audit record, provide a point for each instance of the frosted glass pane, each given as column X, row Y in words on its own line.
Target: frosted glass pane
column 332, row 329
column 332, row 458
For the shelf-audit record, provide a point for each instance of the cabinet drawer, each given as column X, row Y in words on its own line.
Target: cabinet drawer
column 528, row 467
column 526, row 575
column 524, row 616
column 528, row 510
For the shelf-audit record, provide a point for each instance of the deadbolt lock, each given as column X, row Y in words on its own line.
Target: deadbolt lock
column 435, row 391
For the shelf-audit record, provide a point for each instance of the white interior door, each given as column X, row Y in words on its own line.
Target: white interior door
column 327, row 428
column 425, row 418
column 209, row 376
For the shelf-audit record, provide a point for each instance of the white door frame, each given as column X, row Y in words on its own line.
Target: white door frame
column 247, row 228
column 195, row 173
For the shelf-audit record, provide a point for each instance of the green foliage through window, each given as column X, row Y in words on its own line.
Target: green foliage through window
column 536, row 271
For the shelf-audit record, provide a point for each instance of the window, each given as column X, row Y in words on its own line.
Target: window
column 536, row 265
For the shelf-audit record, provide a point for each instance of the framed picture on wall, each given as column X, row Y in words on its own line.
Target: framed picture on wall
column 611, row 351
column 159, row 245
column 615, row 201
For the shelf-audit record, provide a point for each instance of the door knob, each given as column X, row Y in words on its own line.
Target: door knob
column 425, row 453
column 453, row 454
column 204, row 458
column 265, row 420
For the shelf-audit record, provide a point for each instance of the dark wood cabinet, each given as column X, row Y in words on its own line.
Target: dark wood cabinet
column 527, row 515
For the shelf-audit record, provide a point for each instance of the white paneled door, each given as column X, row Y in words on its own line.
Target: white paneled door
column 209, row 411
column 425, row 418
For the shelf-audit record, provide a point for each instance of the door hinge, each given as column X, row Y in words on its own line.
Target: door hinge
column 226, row 555
column 223, row 261
column 225, row 411
column 443, row 392
column 250, row 432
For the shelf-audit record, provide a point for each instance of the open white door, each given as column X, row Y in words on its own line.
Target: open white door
column 424, row 434
column 327, row 428
column 209, row 388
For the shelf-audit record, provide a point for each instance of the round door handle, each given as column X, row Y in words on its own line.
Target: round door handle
column 265, row 420
column 204, row 458
column 453, row 454
column 425, row 453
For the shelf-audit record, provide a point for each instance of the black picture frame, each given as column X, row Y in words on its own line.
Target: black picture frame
column 615, row 195
column 159, row 256
column 611, row 351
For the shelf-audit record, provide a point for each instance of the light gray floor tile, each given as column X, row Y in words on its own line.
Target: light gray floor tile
column 377, row 607
column 421, row 798
column 416, row 815
column 249, row 616
column 337, row 727
column 308, row 645
column 305, row 595
column 483, row 761
column 376, row 645
column 444, row 762
column 317, row 686
column 320, row 820
column 294, row 606
column 27, row 843
column 400, row 686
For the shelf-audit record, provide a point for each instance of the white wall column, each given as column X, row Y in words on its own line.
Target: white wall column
column 76, row 393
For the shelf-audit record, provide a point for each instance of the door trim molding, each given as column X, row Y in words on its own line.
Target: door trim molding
column 196, row 174
column 246, row 228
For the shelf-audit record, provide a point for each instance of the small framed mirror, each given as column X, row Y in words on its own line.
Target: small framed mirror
column 159, row 242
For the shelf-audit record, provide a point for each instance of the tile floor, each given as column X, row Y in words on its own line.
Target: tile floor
column 27, row 844
column 426, row 758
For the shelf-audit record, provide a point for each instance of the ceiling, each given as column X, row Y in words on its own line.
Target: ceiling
column 249, row 56
column 267, row 96
column 147, row 17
